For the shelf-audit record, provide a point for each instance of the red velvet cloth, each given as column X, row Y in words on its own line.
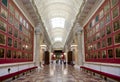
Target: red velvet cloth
column 14, row 74
column 115, row 77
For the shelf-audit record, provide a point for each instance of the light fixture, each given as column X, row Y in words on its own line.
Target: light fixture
column 43, row 45
column 74, row 45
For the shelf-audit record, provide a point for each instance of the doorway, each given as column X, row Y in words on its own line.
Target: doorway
column 70, row 57
column 46, row 57
column 58, row 54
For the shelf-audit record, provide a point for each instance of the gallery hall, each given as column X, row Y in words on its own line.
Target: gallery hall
column 59, row 40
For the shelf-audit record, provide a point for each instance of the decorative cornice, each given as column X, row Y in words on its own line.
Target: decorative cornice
column 71, row 31
column 92, row 12
column 23, row 10
column 42, row 24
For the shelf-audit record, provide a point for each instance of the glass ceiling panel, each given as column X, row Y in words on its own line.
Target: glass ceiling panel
column 58, row 22
column 58, row 39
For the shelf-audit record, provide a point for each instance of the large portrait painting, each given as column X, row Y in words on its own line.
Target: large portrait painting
column 2, row 39
column 3, row 13
column 2, row 26
column 115, row 12
column 116, row 25
column 110, row 53
column 117, row 38
column 9, row 54
column 118, row 52
column 2, row 52
column 9, row 41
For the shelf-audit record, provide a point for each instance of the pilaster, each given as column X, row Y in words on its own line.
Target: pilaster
column 80, row 55
column 37, row 47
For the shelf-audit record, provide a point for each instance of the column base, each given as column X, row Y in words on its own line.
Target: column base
column 39, row 67
column 77, row 66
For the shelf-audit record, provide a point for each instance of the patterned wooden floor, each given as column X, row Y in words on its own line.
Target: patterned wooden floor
column 58, row 73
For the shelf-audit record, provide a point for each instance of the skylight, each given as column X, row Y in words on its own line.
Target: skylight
column 58, row 22
column 58, row 39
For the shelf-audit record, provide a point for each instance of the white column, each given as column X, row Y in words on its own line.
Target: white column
column 41, row 55
column 37, row 49
column 80, row 55
column 50, row 53
column 66, row 56
column 76, row 57
column 83, row 47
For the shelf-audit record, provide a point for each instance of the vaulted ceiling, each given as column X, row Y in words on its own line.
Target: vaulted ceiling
column 59, row 17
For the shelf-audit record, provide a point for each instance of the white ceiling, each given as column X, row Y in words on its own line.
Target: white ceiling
column 58, row 17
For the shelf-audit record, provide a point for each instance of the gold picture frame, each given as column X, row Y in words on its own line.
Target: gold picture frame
column 109, row 41
column 117, row 51
column 115, row 12
column 103, row 43
column 99, row 54
column 4, row 13
column 108, row 29
column 9, row 54
column 15, row 44
column 107, row 20
column 110, row 53
column 2, row 39
column 114, row 2
column 106, row 7
column 2, row 52
column 11, row 8
column 103, row 33
column 11, row 18
column 104, row 54
column 3, row 26
column 16, row 33
column 101, row 14
column 9, row 41
column 117, row 38
column 10, row 30
column 116, row 25
column 98, row 45
column 14, row 54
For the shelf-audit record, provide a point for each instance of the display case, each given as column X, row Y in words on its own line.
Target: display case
column 16, row 34
column 102, row 36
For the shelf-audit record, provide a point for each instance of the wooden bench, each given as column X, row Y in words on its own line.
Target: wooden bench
column 4, row 77
column 115, row 77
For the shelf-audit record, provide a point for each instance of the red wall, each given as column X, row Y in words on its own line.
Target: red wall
column 102, row 34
